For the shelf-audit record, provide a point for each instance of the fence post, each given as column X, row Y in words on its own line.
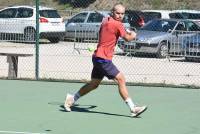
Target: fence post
column 37, row 42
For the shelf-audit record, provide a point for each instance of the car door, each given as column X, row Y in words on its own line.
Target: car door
column 193, row 30
column 23, row 19
column 73, row 26
column 183, row 30
column 92, row 26
column 7, row 21
column 177, row 38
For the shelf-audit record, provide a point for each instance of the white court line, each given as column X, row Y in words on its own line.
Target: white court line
column 15, row 132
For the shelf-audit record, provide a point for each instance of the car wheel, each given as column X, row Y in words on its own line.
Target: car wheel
column 192, row 59
column 79, row 40
column 54, row 40
column 163, row 50
column 29, row 34
column 188, row 58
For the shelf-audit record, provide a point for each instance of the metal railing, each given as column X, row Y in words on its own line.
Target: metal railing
column 19, row 30
column 185, row 43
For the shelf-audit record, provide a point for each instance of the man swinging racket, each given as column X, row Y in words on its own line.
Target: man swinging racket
column 111, row 29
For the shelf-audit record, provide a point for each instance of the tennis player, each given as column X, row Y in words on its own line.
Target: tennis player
column 111, row 29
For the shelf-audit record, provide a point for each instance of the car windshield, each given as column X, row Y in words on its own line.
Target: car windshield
column 159, row 25
column 49, row 14
column 125, row 20
column 8, row 13
column 151, row 15
column 191, row 15
column 176, row 16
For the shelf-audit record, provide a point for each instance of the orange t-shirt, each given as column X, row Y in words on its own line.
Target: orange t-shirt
column 109, row 33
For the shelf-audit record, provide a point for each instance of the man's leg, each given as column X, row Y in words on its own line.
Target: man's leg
column 122, row 86
column 135, row 110
column 93, row 84
column 71, row 99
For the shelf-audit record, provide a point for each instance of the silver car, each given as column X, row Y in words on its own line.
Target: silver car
column 161, row 37
column 86, row 24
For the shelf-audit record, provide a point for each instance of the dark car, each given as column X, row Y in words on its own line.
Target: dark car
column 135, row 18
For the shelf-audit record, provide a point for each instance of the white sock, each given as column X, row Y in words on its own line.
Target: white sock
column 76, row 96
column 130, row 103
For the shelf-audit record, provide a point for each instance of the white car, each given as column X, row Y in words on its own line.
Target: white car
column 189, row 14
column 161, row 14
column 19, row 22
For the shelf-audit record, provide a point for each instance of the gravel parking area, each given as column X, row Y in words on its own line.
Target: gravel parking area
column 63, row 61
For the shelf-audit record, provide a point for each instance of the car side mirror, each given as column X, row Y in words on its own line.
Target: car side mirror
column 175, row 33
column 169, row 31
column 71, row 23
column 134, row 29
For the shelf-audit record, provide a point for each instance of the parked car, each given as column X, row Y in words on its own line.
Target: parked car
column 86, row 24
column 189, row 14
column 192, row 47
column 161, row 14
column 160, row 37
column 20, row 22
column 135, row 18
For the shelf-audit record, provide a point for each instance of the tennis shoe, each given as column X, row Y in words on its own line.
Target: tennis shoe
column 138, row 110
column 69, row 101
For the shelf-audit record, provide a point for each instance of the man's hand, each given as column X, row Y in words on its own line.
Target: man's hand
column 130, row 35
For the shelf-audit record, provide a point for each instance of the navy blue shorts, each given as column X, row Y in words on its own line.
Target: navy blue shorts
column 103, row 67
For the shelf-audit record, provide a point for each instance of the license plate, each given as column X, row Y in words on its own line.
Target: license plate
column 131, row 43
column 55, row 24
column 194, row 50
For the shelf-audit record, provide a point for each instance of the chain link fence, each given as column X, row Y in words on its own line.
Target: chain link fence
column 67, row 43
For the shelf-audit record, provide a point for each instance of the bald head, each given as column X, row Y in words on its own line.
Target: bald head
column 118, row 6
column 118, row 11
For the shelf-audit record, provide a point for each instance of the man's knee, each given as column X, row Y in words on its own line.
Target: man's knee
column 95, row 84
column 120, row 78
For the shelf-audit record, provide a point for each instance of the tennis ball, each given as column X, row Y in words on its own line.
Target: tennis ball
column 91, row 48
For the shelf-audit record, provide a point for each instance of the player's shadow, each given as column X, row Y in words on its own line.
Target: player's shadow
column 87, row 109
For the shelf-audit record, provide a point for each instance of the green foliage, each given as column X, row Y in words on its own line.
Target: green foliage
column 107, row 4
column 184, row 5
column 67, row 6
column 156, row 4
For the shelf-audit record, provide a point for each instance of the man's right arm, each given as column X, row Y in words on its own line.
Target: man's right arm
column 130, row 35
